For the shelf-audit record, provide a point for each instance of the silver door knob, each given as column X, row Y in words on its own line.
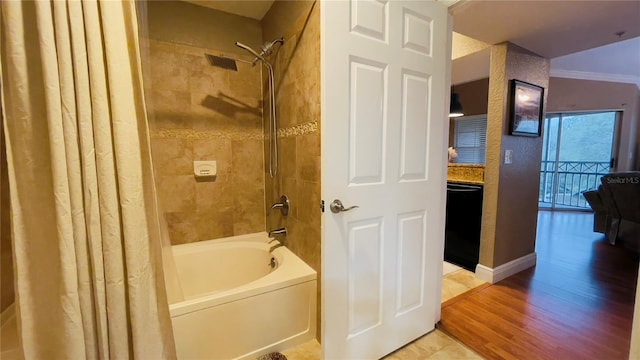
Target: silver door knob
column 336, row 206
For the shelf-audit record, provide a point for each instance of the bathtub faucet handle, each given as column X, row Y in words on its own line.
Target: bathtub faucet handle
column 281, row 231
column 283, row 205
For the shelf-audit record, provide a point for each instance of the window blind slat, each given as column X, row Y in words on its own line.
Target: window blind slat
column 470, row 138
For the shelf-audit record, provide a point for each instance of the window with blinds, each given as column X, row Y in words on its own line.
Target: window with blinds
column 470, row 139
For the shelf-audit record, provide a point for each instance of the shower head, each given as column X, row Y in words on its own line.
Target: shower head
column 222, row 62
column 225, row 62
column 253, row 52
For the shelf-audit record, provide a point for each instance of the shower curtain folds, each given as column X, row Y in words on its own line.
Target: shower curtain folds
column 86, row 238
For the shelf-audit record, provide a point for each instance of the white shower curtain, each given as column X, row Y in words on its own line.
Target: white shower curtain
column 84, row 220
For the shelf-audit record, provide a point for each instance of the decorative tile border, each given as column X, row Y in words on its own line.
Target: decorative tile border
column 191, row 134
column 298, row 130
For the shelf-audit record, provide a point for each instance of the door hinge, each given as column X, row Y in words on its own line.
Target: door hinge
column 322, row 205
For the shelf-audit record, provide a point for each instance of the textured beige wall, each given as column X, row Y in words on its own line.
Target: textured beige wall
column 496, row 111
column 511, row 191
column 7, row 296
column 200, row 112
column 179, row 22
column 473, row 97
column 583, row 95
column 462, row 45
column 297, row 73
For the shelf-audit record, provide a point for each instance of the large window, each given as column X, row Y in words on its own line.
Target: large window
column 577, row 151
column 470, row 139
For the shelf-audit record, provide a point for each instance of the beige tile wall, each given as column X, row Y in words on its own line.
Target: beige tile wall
column 200, row 112
column 297, row 74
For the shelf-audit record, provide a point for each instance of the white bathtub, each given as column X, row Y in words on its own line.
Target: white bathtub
column 233, row 304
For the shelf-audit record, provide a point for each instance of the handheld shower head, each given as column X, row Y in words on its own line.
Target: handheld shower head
column 266, row 49
column 273, row 124
column 253, row 52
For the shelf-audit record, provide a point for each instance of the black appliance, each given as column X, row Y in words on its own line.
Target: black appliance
column 464, row 220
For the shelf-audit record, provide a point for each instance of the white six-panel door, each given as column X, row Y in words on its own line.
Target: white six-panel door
column 384, row 126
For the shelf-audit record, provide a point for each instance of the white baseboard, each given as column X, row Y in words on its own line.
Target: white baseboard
column 505, row 270
column 7, row 314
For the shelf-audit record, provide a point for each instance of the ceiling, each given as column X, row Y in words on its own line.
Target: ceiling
column 548, row 28
column 255, row 9
column 619, row 62
column 581, row 37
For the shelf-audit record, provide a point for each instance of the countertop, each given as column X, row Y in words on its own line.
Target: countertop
column 466, row 174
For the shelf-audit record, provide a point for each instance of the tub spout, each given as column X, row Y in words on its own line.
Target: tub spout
column 281, row 231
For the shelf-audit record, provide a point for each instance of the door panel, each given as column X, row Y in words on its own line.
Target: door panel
column 417, row 32
column 384, row 139
column 369, row 19
column 414, row 142
column 365, row 275
column 367, row 122
column 411, row 264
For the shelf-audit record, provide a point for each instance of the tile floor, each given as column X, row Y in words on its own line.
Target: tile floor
column 435, row 345
column 458, row 282
column 448, row 268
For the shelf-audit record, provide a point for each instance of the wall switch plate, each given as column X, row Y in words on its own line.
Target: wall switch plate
column 508, row 156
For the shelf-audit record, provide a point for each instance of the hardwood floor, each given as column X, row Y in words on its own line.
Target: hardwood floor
column 577, row 303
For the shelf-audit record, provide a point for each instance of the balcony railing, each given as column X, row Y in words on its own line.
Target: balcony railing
column 563, row 186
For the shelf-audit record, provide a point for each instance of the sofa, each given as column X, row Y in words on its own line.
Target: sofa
column 601, row 218
column 616, row 207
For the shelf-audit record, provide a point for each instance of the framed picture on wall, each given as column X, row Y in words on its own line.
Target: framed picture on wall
column 525, row 108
